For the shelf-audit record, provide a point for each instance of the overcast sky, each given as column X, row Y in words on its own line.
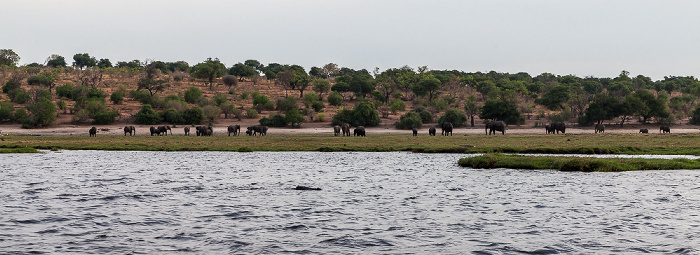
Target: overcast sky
column 585, row 38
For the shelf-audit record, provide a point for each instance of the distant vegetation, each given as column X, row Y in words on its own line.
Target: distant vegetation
column 180, row 93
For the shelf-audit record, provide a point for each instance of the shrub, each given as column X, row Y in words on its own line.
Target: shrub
column 238, row 113
column 96, row 93
column 105, row 117
column 410, row 120
column 147, row 116
column 12, row 84
column 309, row 98
column 117, row 97
column 65, row 90
column 397, row 105
column 192, row 95
column 6, row 111
column 286, row 104
column 193, row 116
column 20, row 115
column 454, row 116
column 269, row 105
column 294, row 118
column 259, row 99
column 42, row 114
column 141, row 95
column 220, row 99
column 335, row 99
column 321, row 117
column 695, row 119
column 251, row 114
column 276, row 120
column 318, row 106
column 19, row 96
column 364, row 114
column 211, row 112
column 244, row 95
column 173, row 116
column 425, row 115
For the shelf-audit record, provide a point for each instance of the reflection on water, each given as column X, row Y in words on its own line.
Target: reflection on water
column 224, row 202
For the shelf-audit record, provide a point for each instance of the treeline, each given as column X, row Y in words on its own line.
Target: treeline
column 455, row 96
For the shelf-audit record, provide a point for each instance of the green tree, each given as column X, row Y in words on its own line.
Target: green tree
column 428, row 86
column 293, row 117
column 501, row 109
column 409, row 120
column 603, row 107
column 211, row 113
column 365, row 114
column 454, row 116
column 82, row 60
column 209, row 69
column 193, row 116
column 6, row 111
column 8, row 57
column 229, row 81
column 104, row 63
column 255, row 64
column 56, row 60
column 242, row 71
column 397, row 105
column 321, row 86
column 471, row 108
column 192, row 95
column 334, row 98
column 42, row 113
column 555, row 98
column 656, row 106
column 147, row 116
column 117, row 97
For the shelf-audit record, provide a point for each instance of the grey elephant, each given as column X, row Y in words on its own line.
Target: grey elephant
column 446, row 128
column 204, row 131
column 235, row 129
column 559, row 127
column 187, row 131
column 153, row 130
column 336, row 130
column 131, row 130
column 163, row 130
column 415, row 132
column 346, row 129
column 599, row 128
column 549, row 129
column 665, row 129
column 644, row 131
column 431, row 131
column 257, row 129
column 495, row 125
column 359, row 131
column 93, row 132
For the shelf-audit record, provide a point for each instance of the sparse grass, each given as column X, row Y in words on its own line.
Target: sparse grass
column 498, row 160
column 583, row 144
column 18, row 150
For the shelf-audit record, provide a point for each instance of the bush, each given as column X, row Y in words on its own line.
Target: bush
column 12, row 84
column 695, row 119
column 141, row 95
column 104, row 117
column 410, row 120
column 335, row 99
column 238, row 113
column 294, row 118
column 276, row 120
column 454, row 116
column 192, row 95
column 397, row 105
column 269, row 106
column 65, row 90
column 173, row 116
column 251, row 114
column 321, row 117
column 220, row 99
column 117, row 97
column 364, row 114
column 96, row 93
column 193, row 116
column 425, row 115
column 20, row 115
column 19, row 96
column 259, row 99
column 6, row 111
column 42, row 114
column 211, row 112
column 243, row 95
column 286, row 104
column 318, row 106
column 309, row 98
column 147, row 116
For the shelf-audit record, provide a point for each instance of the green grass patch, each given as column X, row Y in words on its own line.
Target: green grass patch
column 559, row 144
column 498, row 160
column 18, row 150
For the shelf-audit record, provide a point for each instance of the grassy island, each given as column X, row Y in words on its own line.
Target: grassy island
column 498, row 160
column 564, row 144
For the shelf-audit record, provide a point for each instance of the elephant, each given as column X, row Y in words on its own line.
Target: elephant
column 415, row 132
column 559, row 126
column 549, row 129
column 447, row 128
column 665, row 129
column 431, row 131
column 495, row 125
column 644, row 131
column 248, row 132
column 131, row 130
column 257, row 129
column 235, row 129
column 336, row 130
column 93, row 132
column 599, row 128
column 187, row 131
column 346, row 129
column 153, row 130
column 359, row 131
column 206, row 131
column 163, row 130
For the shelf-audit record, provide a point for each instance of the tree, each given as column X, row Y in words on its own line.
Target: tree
column 82, row 60
column 147, row 116
column 387, row 82
column 501, row 109
column 56, row 60
column 8, row 58
column 655, row 106
column 210, row 70
column 229, row 81
column 104, row 63
column 321, row 86
column 151, row 81
column 334, row 98
column 241, row 70
column 630, row 106
column 365, row 114
column 293, row 117
column 193, row 116
column 555, row 98
column 454, row 116
column 46, row 79
column 471, row 108
column 42, row 113
column 409, row 120
column 255, row 64
column 330, row 70
column 428, row 86
column 603, row 107
column 192, row 95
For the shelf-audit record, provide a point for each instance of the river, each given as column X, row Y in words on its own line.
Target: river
column 108, row 202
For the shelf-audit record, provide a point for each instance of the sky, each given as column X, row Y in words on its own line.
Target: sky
column 585, row 38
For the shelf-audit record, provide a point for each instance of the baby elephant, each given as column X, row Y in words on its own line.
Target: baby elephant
column 644, row 131
column 415, row 132
column 93, row 132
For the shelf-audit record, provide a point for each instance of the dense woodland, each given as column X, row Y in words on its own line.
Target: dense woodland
column 97, row 91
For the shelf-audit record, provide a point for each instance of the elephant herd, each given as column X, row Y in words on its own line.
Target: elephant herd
column 200, row 130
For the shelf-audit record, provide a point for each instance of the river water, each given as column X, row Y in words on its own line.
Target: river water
column 104, row 202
